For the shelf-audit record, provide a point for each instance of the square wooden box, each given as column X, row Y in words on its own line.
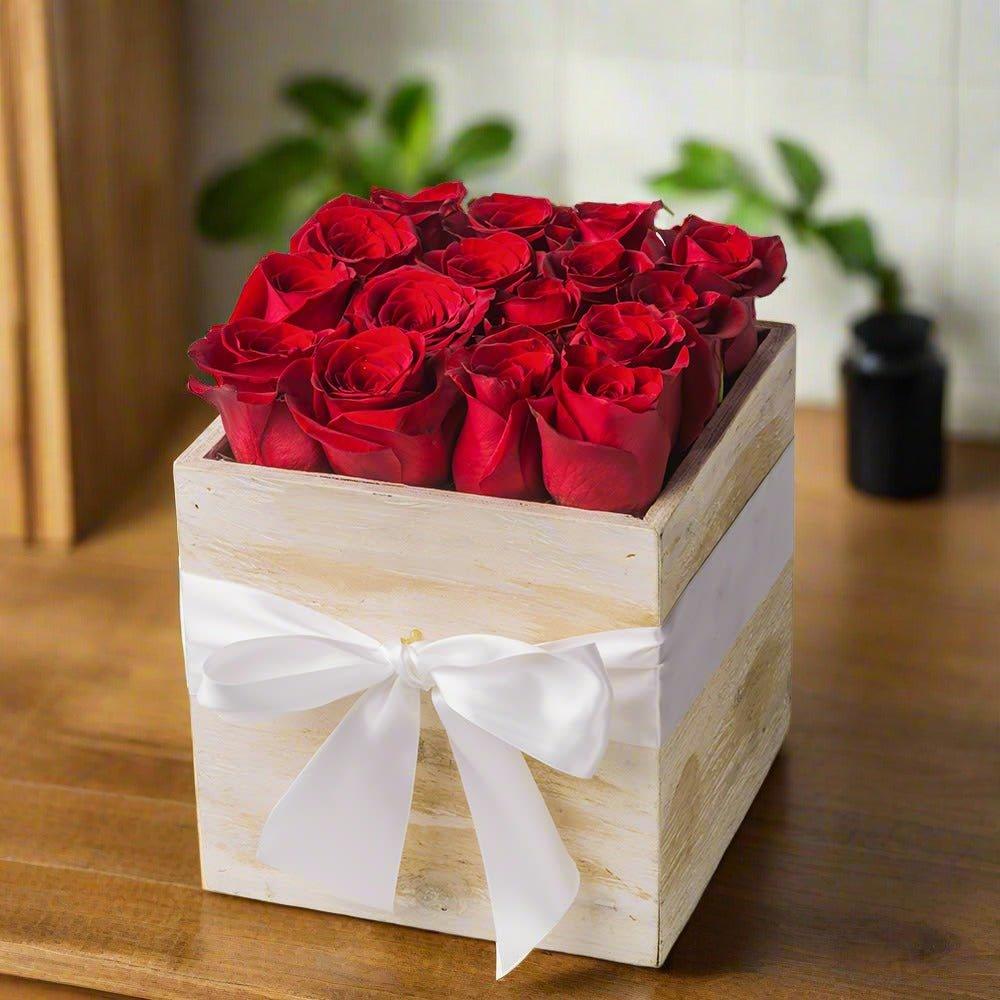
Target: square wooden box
column 648, row 830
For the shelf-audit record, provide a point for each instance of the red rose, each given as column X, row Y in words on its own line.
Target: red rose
column 501, row 261
column 630, row 223
column 714, row 315
column 498, row 452
column 246, row 358
column 666, row 290
column 421, row 300
column 602, row 271
column 546, row 304
column 564, row 227
column 637, row 334
column 702, row 385
column 425, row 209
column 377, row 405
column 729, row 322
column 306, row 289
column 351, row 229
column 606, row 432
column 754, row 264
column 513, row 213
column 633, row 333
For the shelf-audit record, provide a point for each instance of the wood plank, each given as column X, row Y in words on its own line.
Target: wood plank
column 13, row 445
column 866, row 867
column 323, row 540
column 32, row 989
column 27, row 60
column 118, row 92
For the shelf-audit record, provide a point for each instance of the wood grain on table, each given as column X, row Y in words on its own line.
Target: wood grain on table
column 867, row 866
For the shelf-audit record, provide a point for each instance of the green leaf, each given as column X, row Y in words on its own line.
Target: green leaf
column 260, row 197
column 409, row 121
column 475, row 146
column 802, row 168
column 329, row 101
column 753, row 212
column 853, row 242
column 703, row 167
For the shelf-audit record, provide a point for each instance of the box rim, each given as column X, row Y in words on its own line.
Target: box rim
column 656, row 516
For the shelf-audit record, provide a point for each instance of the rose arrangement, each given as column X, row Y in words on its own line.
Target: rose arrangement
column 510, row 346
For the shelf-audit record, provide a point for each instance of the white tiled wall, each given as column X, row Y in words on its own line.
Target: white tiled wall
column 900, row 97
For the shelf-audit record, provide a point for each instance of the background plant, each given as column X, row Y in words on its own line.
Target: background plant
column 343, row 148
column 705, row 167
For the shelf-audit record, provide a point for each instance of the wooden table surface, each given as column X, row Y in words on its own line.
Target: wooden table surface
column 867, row 867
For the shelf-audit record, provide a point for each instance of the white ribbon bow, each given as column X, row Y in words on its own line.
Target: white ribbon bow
column 343, row 820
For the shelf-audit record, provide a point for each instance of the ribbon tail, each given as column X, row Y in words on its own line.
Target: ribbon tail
column 532, row 880
column 342, row 822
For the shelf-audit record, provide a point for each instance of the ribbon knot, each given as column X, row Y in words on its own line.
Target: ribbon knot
column 404, row 657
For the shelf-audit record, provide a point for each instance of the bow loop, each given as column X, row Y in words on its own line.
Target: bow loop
column 287, row 673
column 554, row 708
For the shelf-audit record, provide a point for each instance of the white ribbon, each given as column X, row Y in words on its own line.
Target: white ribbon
column 342, row 822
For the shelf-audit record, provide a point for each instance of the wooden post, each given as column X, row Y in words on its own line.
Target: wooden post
column 92, row 313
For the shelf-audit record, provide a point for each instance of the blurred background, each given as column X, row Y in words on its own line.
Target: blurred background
column 894, row 101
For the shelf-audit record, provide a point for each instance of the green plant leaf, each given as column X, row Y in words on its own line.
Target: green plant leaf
column 260, row 197
column 475, row 146
column 703, row 167
column 803, row 169
column 409, row 121
column 853, row 242
column 753, row 212
column 329, row 101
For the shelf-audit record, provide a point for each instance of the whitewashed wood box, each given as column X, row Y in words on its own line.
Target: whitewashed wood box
column 648, row 830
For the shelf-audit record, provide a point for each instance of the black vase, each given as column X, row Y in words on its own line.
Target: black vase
column 894, row 380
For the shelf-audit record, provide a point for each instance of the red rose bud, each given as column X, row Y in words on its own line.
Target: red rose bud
column 308, row 290
column 603, row 271
column 546, row 304
column 368, row 239
column 498, row 452
column 633, row 333
column 423, row 301
column 630, row 223
column 251, row 354
column 636, row 334
column 261, row 433
column 513, row 213
column 666, row 290
column 755, row 265
column 702, row 384
column 379, row 408
column 564, row 228
column 425, row 209
column 730, row 323
column 501, row 261
column 606, row 432
column 714, row 315
column 246, row 358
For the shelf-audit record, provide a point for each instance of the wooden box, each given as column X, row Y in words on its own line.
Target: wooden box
column 648, row 830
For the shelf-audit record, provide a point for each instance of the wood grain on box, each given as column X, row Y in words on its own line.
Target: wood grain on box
column 649, row 828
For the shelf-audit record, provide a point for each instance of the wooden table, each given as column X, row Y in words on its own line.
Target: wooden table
column 867, row 867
